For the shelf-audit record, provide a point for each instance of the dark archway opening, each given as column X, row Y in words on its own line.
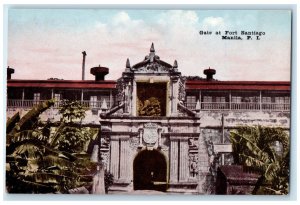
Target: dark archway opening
column 150, row 171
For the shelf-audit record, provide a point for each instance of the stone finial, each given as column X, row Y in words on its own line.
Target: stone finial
column 127, row 63
column 104, row 105
column 152, row 48
column 175, row 65
column 152, row 53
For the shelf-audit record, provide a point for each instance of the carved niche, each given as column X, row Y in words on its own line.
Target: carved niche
column 193, row 164
column 151, row 99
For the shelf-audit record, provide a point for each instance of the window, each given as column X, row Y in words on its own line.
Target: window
column 266, row 103
column 236, row 99
column 191, row 102
column 207, row 98
column 276, row 103
column 236, row 102
column 220, row 103
column 266, row 100
column 279, row 101
column 287, row 103
column 93, row 101
column 57, row 97
column 254, row 99
column 286, row 100
column 36, row 98
column 207, row 102
column 220, row 99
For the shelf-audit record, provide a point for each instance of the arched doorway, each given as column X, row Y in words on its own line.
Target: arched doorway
column 150, row 171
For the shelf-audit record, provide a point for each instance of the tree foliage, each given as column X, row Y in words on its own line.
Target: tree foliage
column 36, row 161
column 257, row 147
column 72, row 137
column 72, row 111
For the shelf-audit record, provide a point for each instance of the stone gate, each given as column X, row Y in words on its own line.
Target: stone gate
column 151, row 129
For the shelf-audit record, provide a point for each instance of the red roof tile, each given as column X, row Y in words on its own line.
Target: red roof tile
column 190, row 84
column 238, row 85
column 105, row 84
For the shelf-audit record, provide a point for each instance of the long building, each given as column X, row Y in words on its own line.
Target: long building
column 159, row 126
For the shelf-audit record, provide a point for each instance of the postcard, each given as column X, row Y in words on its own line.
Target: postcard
column 148, row 101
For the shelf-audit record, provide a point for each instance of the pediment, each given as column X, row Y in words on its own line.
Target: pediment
column 152, row 65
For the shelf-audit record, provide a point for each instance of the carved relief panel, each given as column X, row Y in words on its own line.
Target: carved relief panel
column 151, row 99
column 150, row 135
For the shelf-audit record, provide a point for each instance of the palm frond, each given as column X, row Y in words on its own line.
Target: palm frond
column 12, row 122
column 53, row 160
column 252, row 162
column 30, row 151
column 57, row 134
column 26, row 121
column 271, row 171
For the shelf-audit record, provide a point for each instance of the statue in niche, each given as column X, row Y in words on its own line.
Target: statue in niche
column 193, row 166
column 192, row 143
column 105, row 142
column 150, row 107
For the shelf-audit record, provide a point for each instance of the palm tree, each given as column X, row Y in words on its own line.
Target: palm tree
column 255, row 147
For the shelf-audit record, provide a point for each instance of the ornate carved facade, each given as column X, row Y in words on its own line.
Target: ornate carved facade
column 151, row 121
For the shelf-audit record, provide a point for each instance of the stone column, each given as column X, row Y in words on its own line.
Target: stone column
column 126, row 96
column 175, row 96
column 159, row 137
column 141, row 137
column 124, row 159
column 203, row 164
column 183, row 160
column 171, row 97
column 129, row 93
column 134, row 94
column 203, row 155
column 114, row 157
column 173, row 160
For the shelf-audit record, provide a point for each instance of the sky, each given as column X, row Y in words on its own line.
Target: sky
column 45, row 43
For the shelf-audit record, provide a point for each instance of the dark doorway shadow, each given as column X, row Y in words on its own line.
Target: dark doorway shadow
column 150, row 171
